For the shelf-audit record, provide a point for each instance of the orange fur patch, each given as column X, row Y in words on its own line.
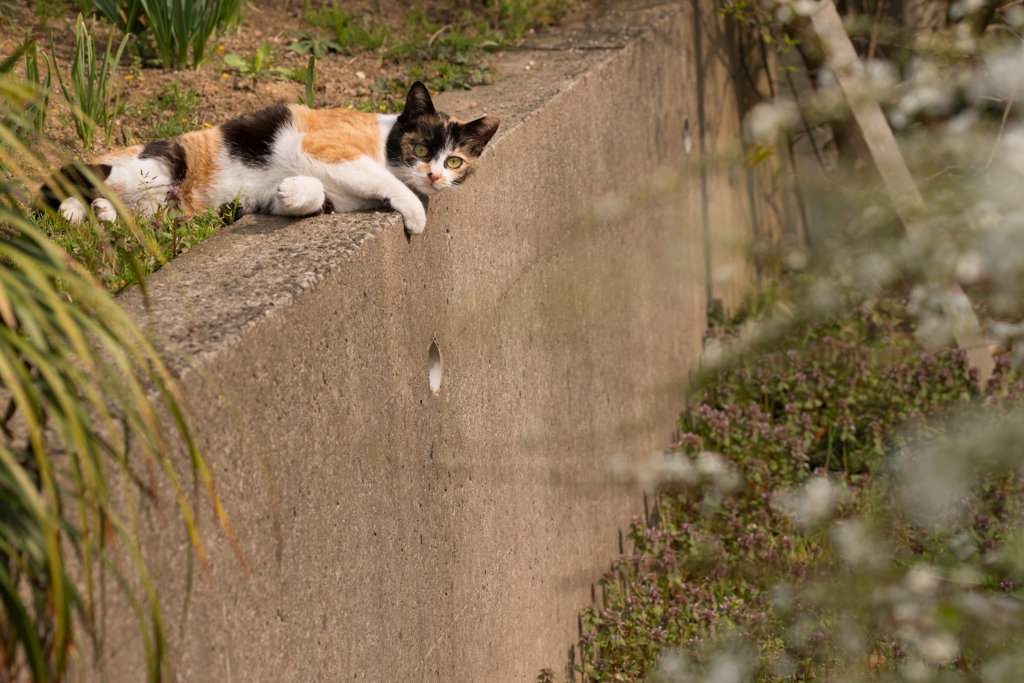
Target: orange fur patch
column 202, row 154
column 336, row 135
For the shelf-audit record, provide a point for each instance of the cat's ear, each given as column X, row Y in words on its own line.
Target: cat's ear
column 476, row 134
column 417, row 102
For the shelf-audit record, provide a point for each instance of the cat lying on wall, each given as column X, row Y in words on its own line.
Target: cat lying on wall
column 289, row 160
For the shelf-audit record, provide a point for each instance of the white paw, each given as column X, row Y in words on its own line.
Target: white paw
column 301, row 195
column 413, row 214
column 104, row 210
column 73, row 210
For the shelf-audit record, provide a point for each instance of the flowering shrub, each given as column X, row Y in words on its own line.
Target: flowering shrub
column 778, row 561
column 844, row 502
column 829, row 401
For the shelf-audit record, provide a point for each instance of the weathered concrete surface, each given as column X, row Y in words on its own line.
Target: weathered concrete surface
column 397, row 535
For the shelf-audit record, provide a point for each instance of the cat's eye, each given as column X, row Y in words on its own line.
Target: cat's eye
column 420, row 150
column 453, row 162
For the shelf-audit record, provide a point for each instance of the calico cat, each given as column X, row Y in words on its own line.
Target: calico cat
column 290, row 161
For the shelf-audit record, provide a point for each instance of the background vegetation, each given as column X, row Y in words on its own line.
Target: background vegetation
column 89, row 407
column 844, row 500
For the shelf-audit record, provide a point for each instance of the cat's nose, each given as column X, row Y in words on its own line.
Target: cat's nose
column 434, row 177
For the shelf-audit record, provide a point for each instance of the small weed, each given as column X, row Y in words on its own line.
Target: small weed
column 380, row 105
column 350, row 31
column 92, row 85
column 163, row 115
column 514, row 18
column 314, row 42
column 263, row 65
column 283, row 73
column 115, row 253
column 310, row 75
column 253, row 67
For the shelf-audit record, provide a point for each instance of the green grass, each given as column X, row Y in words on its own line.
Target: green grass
column 117, row 255
column 162, row 115
column 515, row 18
column 351, row 32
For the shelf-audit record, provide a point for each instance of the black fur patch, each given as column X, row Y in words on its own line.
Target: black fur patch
column 417, row 102
column 75, row 175
column 434, row 131
column 264, row 208
column 250, row 138
column 229, row 213
column 418, row 124
column 475, row 135
column 328, row 206
column 421, row 124
column 173, row 153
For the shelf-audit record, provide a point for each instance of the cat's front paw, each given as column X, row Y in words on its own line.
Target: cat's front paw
column 104, row 210
column 414, row 215
column 300, row 195
column 73, row 210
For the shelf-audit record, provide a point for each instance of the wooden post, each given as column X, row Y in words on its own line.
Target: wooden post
column 900, row 185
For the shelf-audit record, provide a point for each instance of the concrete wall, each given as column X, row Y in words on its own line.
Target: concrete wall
column 397, row 535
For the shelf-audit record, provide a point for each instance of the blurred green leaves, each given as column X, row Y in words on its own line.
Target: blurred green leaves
column 88, row 411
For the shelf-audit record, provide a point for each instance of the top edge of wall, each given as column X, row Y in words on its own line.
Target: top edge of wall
column 203, row 302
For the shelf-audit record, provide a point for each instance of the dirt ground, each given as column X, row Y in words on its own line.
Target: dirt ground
column 341, row 80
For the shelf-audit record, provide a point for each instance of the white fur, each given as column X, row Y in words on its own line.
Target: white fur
column 385, row 122
column 300, row 195
column 73, row 210
column 104, row 210
column 365, row 177
column 142, row 184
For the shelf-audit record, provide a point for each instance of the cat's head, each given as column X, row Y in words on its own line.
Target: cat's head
column 430, row 151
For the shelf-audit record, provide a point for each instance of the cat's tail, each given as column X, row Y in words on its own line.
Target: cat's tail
column 84, row 180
